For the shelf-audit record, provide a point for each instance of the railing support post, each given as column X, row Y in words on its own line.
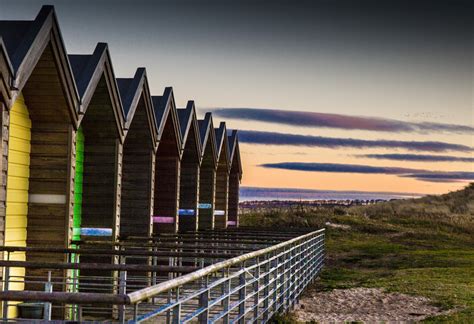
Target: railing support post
column 176, row 318
column 48, row 287
column 226, row 288
column 275, row 270
column 266, row 290
column 204, row 303
column 242, row 294
column 122, row 291
column 6, row 287
column 256, row 287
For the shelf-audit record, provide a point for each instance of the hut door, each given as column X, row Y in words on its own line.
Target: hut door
column 78, row 180
column 18, row 184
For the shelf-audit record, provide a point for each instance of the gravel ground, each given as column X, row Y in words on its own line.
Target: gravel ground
column 367, row 305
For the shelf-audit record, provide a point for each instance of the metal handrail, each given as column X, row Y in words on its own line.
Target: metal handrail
column 143, row 294
column 116, row 252
column 95, row 266
column 245, row 288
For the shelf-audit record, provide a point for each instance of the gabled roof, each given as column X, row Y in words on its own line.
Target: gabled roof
column 234, row 152
column 208, row 136
column 164, row 107
column 88, row 70
column 6, row 74
column 25, row 41
column 131, row 90
column 187, row 118
column 222, row 144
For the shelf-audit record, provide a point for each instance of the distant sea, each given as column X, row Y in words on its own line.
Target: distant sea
column 254, row 193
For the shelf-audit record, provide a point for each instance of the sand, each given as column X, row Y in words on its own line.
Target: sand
column 367, row 305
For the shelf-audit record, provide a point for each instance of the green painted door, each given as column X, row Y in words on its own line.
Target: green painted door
column 78, row 180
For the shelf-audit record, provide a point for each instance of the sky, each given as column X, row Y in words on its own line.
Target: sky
column 328, row 95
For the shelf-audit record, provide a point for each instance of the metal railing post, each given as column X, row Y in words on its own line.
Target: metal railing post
column 176, row 310
column 275, row 270
column 6, row 287
column 135, row 312
column 281, row 285
column 122, row 291
column 242, row 293
column 266, row 290
column 204, row 303
column 48, row 287
column 226, row 288
column 256, row 287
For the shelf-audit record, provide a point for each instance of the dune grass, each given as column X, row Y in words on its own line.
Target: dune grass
column 420, row 246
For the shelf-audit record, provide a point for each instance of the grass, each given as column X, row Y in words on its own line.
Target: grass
column 421, row 247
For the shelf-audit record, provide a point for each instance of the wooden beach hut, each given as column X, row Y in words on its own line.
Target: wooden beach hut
column 235, row 176
column 222, row 177
column 138, row 169
column 167, row 164
column 38, row 135
column 207, row 179
column 6, row 77
column 190, row 167
column 98, row 147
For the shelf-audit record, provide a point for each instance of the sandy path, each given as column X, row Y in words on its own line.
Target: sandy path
column 363, row 304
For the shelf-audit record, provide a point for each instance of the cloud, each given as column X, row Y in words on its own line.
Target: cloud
column 273, row 138
column 418, row 157
column 423, row 175
column 440, row 176
column 315, row 119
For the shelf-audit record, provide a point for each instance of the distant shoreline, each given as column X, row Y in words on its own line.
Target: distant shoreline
column 248, row 194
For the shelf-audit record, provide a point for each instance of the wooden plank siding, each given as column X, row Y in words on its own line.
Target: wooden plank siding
column 4, row 141
column 5, row 97
column 51, row 159
column 207, row 185
column 46, row 208
column 167, row 179
column 101, row 189
column 102, row 164
column 233, row 208
column 222, row 177
column 222, row 192
column 189, row 195
column 189, row 179
column 138, row 177
column 17, row 185
column 235, row 177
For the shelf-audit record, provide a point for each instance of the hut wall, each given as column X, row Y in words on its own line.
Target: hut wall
column 102, row 165
column 5, row 124
column 222, row 193
column 167, row 178
column 78, row 184
column 189, row 184
column 40, row 199
column 137, row 178
column 17, row 200
column 234, row 184
column 207, row 186
column 166, row 198
column 49, row 214
column 101, row 190
column 189, row 196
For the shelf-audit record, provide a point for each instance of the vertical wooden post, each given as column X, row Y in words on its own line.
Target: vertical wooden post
column 48, row 287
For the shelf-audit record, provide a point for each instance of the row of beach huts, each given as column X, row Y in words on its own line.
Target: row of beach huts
column 88, row 155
